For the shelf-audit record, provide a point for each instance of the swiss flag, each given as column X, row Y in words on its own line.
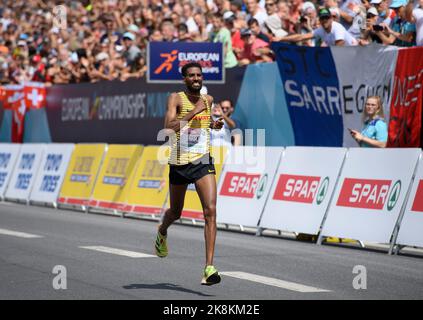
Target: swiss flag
column 35, row 95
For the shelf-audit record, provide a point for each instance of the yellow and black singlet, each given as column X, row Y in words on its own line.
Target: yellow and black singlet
column 193, row 140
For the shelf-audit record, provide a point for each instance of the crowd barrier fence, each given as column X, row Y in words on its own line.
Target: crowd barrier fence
column 370, row 195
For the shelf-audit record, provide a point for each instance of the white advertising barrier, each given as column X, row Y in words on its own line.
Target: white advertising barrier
column 370, row 193
column 411, row 229
column 302, row 188
column 51, row 172
column 9, row 152
column 25, row 171
column 245, row 183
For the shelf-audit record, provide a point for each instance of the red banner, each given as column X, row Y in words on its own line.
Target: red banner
column 406, row 104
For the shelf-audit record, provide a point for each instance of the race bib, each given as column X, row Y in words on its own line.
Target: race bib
column 194, row 140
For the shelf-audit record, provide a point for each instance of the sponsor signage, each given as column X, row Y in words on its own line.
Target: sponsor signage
column 370, row 194
column 166, row 59
column 303, row 186
column 245, row 183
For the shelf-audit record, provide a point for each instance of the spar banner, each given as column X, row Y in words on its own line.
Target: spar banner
column 407, row 99
column 326, row 89
column 302, row 189
column 410, row 232
column 130, row 112
column 165, row 60
column 245, row 183
column 370, row 193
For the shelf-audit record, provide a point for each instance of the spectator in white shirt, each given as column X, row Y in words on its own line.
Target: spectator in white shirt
column 414, row 14
column 330, row 32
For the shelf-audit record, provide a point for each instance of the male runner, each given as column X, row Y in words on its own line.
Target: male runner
column 189, row 117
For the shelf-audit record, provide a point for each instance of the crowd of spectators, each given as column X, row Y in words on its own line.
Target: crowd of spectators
column 88, row 41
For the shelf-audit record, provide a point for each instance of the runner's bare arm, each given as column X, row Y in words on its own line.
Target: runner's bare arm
column 171, row 121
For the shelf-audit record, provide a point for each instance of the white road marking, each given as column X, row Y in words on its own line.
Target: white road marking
column 272, row 282
column 19, row 234
column 126, row 253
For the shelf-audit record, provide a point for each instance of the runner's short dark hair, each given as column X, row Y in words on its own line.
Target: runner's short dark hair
column 190, row 65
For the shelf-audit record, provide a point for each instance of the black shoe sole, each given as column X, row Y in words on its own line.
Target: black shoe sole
column 213, row 279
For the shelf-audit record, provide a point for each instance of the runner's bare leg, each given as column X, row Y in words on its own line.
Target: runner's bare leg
column 177, row 198
column 206, row 189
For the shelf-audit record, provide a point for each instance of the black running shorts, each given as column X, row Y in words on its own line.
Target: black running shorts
column 191, row 172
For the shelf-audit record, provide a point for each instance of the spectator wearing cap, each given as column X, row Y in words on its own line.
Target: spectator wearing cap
column 255, row 11
column 370, row 34
column 132, row 53
column 253, row 25
column 255, row 50
column 103, row 69
column 402, row 33
column 386, row 14
column 223, row 35
column 330, row 32
column 273, row 23
column 415, row 15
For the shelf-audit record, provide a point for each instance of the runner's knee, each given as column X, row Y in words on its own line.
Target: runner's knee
column 176, row 212
column 210, row 211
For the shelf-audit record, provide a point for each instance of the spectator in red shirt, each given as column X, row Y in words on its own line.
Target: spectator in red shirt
column 255, row 49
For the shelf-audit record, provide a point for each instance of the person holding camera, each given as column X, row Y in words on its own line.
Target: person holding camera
column 370, row 34
column 375, row 131
column 402, row 33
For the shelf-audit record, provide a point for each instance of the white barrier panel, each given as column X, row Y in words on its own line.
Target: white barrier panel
column 370, row 193
column 245, row 183
column 301, row 191
column 9, row 152
column 411, row 229
column 51, row 173
column 25, row 171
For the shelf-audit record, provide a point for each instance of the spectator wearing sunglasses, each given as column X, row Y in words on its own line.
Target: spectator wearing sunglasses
column 370, row 34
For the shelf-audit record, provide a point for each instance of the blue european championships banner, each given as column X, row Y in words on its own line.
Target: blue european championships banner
column 165, row 60
column 310, row 85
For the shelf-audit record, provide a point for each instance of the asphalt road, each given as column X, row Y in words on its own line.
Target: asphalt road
column 254, row 268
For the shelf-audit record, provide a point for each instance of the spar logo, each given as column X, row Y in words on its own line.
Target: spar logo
column 298, row 188
column 369, row 194
column 244, row 185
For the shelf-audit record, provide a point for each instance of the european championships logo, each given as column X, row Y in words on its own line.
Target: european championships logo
column 167, row 65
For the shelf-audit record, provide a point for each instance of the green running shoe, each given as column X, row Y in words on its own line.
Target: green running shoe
column 161, row 245
column 211, row 276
